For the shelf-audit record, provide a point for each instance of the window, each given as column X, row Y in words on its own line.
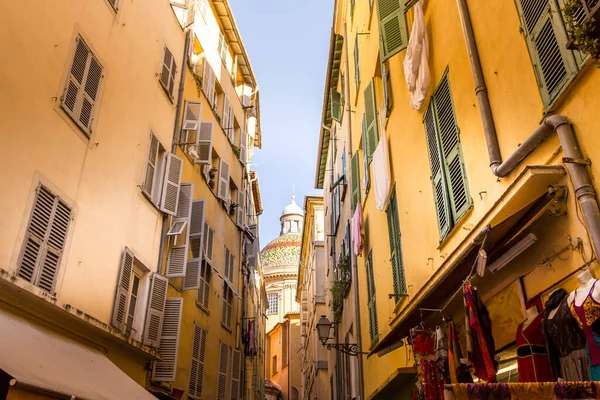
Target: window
column 366, row 157
column 355, row 166
column 274, row 365
column 227, row 120
column 273, row 299
column 203, row 296
column 165, row 369
column 133, row 299
column 335, row 104
column 223, row 189
column 236, row 377
column 229, row 265
column 227, row 305
column 167, row 73
column 209, row 84
column 197, row 366
column 370, row 130
column 392, row 25
column 196, row 136
column 393, row 220
column 45, row 239
column 222, row 379
column 356, row 64
column 222, row 47
column 372, row 304
column 82, row 87
column 554, row 66
column 388, row 99
column 448, row 172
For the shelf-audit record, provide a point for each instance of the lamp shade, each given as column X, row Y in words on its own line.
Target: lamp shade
column 323, row 327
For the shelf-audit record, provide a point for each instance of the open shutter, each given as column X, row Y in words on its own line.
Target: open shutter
column 448, row 131
column 191, row 280
column 236, row 362
column 206, row 81
column 371, row 119
column 231, row 267
column 184, row 209
column 335, row 103
column 191, row 121
column 393, row 220
column 123, row 285
column 204, row 289
column 243, row 147
column 204, row 143
column 438, row 179
column 355, row 165
column 366, row 156
column 151, row 164
column 167, row 74
column 241, row 209
column 177, row 261
column 356, row 63
column 171, row 182
column 196, row 228
column 223, row 192
column 197, row 366
column 553, row 64
column 222, row 381
column 372, row 304
column 225, row 119
column 392, row 25
column 164, row 370
column 230, row 129
column 156, row 309
column 227, row 305
column 208, row 242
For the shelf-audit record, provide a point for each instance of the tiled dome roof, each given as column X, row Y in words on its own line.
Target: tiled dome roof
column 283, row 251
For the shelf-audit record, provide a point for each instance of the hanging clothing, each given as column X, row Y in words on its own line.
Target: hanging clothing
column 416, row 60
column 252, row 344
column 381, row 170
column 576, row 390
column 356, row 229
column 433, row 386
column 480, row 343
column 532, row 355
column 441, row 354
column 565, row 340
column 586, row 315
column 527, row 391
column 457, row 370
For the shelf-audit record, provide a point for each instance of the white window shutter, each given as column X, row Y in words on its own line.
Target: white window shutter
column 167, row 74
column 236, row 362
column 196, row 227
column 184, row 206
column 225, row 115
column 222, row 382
column 241, row 208
column 171, row 182
column 151, row 164
column 204, row 289
column 156, row 309
column 191, row 121
column 197, row 367
column 230, row 127
column 206, row 80
column 177, row 261
column 243, row 147
column 223, row 191
column 164, row 370
column 123, row 285
column 191, row 281
column 208, row 242
column 227, row 259
column 204, row 143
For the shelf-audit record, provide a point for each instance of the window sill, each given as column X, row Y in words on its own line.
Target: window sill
column 228, row 329
column 204, row 309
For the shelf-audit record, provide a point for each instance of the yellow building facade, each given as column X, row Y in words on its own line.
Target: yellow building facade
column 495, row 158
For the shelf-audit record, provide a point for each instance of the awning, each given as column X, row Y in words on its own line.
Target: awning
column 400, row 378
column 40, row 360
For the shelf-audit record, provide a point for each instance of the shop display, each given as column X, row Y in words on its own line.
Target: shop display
column 457, row 370
column 533, row 361
column 480, row 342
column 530, row 391
column 433, row 386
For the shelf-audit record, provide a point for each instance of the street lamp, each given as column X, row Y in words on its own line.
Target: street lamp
column 323, row 328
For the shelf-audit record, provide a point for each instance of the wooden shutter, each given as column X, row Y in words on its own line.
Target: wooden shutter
column 191, row 281
column 208, row 242
column 184, row 209
column 204, row 143
column 206, row 81
column 227, row 259
column 335, row 104
column 177, row 261
column 203, row 295
column 241, row 208
column 388, row 99
column 366, row 156
column 227, row 305
column 196, row 227
column 553, row 64
column 156, row 310
column 164, row 370
column 356, row 63
column 393, row 220
column 197, row 366
column 236, row 363
column 243, row 147
column 225, row 119
column 372, row 134
column 223, row 191
column 123, row 287
column 372, row 304
column 167, row 74
column 191, row 121
column 171, row 182
column 392, row 25
column 222, row 380
column 82, row 86
column 231, row 268
column 355, row 166
column 230, row 128
column 151, row 165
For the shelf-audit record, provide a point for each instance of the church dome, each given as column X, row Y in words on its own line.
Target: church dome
column 292, row 208
column 282, row 255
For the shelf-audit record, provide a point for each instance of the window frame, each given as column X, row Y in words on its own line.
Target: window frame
column 269, row 308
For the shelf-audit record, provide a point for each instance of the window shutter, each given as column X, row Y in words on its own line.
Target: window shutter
column 204, row 289
column 438, row 179
column 151, row 163
column 191, row 121
column 171, row 182
column 399, row 280
column 223, row 192
column 448, row 134
column 392, row 25
column 123, row 285
column 206, row 80
column 335, row 101
column 167, row 74
column 222, row 382
column 197, row 367
column 156, row 309
column 227, row 306
column 356, row 63
column 366, row 157
column 184, row 209
column 371, row 119
column 545, row 35
column 243, row 147
column 225, row 119
column 355, row 166
column 164, row 370
column 204, row 143
column 241, row 208
column 236, row 362
column 372, row 305
column 227, row 259
column 191, row 280
column 230, row 128
column 231, row 267
column 208, row 242
column 196, row 226
column 388, row 100
column 177, row 261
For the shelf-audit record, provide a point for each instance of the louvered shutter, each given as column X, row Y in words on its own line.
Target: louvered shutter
column 227, row 259
column 206, row 81
column 167, row 74
column 236, row 362
column 191, row 121
column 448, row 133
column 223, row 192
column 366, row 156
column 227, row 305
column 156, row 310
column 243, row 147
column 151, row 164
column 222, row 380
column 399, row 281
column 123, row 285
column 545, row 35
column 184, row 209
column 191, row 280
column 355, row 166
column 203, row 295
column 204, row 143
column 165, row 369
column 208, row 242
column 356, row 63
column 231, row 268
column 335, row 104
column 197, row 366
column 225, row 119
column 177, row 261
column 241, row 209
column 371, row 119
column 372, row 304
column 196, row 227
column 231, row 127
column 348, row 249
column 392, row 25
column 171, row 182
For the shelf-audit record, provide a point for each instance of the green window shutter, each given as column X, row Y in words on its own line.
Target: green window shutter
column 366, row 157
column 396, row 246
column 371, row 119
column 392, row 25
column 553, row 64
column 356, row 63
column 373, row 325
column 335, row 101
column 354, row 165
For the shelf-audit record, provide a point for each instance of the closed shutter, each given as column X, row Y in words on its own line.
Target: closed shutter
column 335, row 104
column 223, row 192
column 123, row 285
column 196, row 228
column 225, row 119
column 164, row 370
column 230, row 127
column 241, row 209
column 208, row 83
column 191, row 280
column 171, row 182
column 191, row 122
column 355, row 166
column 243, row 147
column 82, row 87
column 372, row 305
column 184, row 209
column 45, row 240
column 366, row 156
column 167, row 74
column 227, row 305
column 209, row 234
column 356, row 63
column 236, row 363
column 553, row 64
column 177, row 261
column 156, row 310
column 227, row 264
column 388, row 99
column 203, row 295
column 197, row 366
column 204, row 143
column 151, row 165
column 372, row 134
column 399, row 280
column 392, row 25
column 231, row 268
column 222, row 380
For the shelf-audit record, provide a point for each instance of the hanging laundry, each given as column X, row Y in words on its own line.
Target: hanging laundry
column 381, row 169
column 457, row 370
column 433, row 386
column 441, row 353
column 480, row 342
column 356, row 230
column 416, row 67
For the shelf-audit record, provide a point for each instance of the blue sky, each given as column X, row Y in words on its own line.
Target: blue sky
column 287, row 42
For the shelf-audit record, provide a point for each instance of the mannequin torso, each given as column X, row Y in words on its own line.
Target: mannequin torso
column 579, row 295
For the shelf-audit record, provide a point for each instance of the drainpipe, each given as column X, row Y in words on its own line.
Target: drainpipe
column 573, row 158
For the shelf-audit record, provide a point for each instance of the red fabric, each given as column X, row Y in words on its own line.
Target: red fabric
column 533, row 367
column 480, row 344
column 423, row 344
